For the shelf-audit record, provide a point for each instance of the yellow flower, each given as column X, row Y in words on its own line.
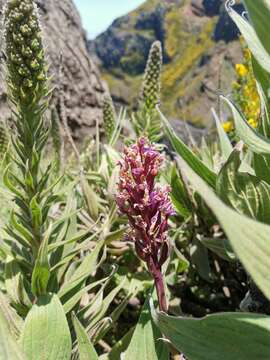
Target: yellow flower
column 241, row 69
column 252, row 122
column 247, row 54
column 228, row 126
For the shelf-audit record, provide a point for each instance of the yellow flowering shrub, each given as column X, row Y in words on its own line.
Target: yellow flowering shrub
column 245, row 93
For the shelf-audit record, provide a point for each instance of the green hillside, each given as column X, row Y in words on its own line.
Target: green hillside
column 195, row 37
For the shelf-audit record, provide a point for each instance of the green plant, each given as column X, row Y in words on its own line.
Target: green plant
column 49, row 261
column 239, row 197
column 71, row 285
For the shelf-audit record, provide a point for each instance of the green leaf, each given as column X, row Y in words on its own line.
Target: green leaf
column 205, row 154
column 256, row 142
column 231, row 336
column 249, row 238
column 74, row 299
column 244, row 192
column 219, row 246
column 91, row 198
column 179, row 195
column 195, row 163
column 119, row 348
column 262, row 77
column 36, row 213
column 145, row 343
column 262, row 167
column 225, row 144
column 85, row 269
column 259, row 13
column 251, row 38
column 96, row 313
column 41, row 272
column 199, row 257
column 9, row 349
column 46, row 335
column 86, row 349
column 263, row 92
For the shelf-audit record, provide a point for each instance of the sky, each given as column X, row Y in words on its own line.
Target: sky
column 97, row 15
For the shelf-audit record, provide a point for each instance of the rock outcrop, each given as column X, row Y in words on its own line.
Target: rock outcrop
column 197, row 60
column 80, row 80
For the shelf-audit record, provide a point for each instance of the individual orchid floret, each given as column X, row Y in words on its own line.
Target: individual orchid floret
column 147, row 207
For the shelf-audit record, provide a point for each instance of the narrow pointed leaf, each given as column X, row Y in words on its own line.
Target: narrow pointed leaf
column 219, row 246
column 259, row 14
column 85, row 269
column 41, row 272
column 86, row 349
column 256, row 142
column 195, row 163
column 225, row 144
column 145, row 343
column 251, row 38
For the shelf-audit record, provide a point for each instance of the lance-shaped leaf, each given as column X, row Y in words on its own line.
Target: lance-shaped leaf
column 251, row 38
column 264, row 123
column 85, row 269
column 145, row 342
column 219, row 246
column 259, row 14
column 223, row 336
column 86, row 349
column 179, row 195
column 249, row 238
column 119, row 348
column 46, row 335
column 256, row 142
column 225, row 144
column 194, row 162
column 41, row 272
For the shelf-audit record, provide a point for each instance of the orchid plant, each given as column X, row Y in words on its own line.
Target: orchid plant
column 147, row 207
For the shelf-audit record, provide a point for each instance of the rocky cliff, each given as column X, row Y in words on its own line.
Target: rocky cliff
column 200, row 49
column 81, row 82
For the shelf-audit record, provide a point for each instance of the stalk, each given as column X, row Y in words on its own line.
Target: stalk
column 28, row 91
column 160, row 289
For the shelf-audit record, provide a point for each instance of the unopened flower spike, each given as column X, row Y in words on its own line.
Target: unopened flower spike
column 148, row 208
column 109, row 117
column 26, row 63
column 152, row 84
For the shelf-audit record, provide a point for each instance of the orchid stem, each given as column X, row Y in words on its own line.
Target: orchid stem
column 159, row 284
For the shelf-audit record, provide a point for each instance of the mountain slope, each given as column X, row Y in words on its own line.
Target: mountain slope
column 200, row 50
